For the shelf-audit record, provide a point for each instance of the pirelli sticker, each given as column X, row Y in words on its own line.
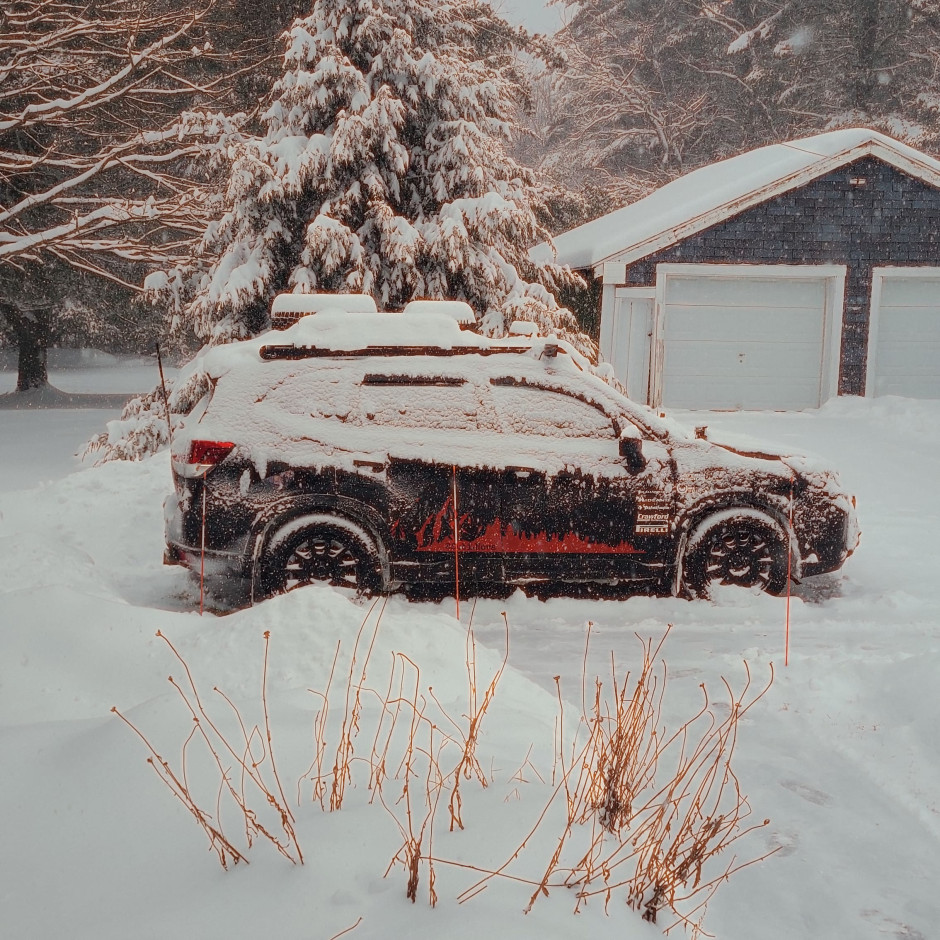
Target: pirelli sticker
column 653, row 513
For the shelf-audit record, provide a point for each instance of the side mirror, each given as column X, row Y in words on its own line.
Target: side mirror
column 631, row 449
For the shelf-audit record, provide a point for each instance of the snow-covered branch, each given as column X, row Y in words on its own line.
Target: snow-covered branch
column 106, row 91
column 91, row 136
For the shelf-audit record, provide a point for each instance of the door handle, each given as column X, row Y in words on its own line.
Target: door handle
column 374, row 465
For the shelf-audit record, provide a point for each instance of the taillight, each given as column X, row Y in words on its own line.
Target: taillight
column 209, row 453
column 201, row 457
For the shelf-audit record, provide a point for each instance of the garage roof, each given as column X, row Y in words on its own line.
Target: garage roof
column 715, row 192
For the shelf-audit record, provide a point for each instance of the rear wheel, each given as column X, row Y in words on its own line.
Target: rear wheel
column 322, row 550
column 742, row 547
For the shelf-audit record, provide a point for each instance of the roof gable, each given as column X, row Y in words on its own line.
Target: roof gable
column 713, row 193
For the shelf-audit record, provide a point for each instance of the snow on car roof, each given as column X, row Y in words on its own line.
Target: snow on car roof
column 458, row 310
column 309, row 410
column 712, row 193
column 317, row 303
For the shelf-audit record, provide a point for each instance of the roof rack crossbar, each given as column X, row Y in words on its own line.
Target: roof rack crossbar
column 316, row 352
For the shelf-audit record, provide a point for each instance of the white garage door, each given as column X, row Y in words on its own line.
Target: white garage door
column 904, row 340
column 746, row 340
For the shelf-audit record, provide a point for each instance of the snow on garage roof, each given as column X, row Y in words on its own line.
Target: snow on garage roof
column 715, row 192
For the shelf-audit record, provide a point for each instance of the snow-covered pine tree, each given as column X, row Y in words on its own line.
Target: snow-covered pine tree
column 382, row 168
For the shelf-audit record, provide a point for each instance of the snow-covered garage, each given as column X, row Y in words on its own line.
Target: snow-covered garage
column 775, row 279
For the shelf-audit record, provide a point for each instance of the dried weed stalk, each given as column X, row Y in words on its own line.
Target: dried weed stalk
column 347, row 930
column 650, row 811
column 424, row 763
column 414, row 739
column 646, row 812
column 691, row 811
column 254, row 757
column 342, row 774
column 468, row 766
column 421, row 786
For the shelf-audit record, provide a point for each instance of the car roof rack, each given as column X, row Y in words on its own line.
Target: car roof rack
column 290, row 352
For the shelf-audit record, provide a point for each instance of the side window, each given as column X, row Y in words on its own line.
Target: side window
column 536, row 411
column 438, row 403
column 313, row 388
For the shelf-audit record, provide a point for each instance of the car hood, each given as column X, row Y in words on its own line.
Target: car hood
column 741, row 452
column 812, row 468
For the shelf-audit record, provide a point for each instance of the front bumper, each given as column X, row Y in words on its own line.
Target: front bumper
column 829, row 542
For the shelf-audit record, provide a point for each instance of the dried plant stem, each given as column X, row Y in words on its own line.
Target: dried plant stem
column 412, row 853
column 349, row 929
column 218, row 842
column 315, row 770
column 250, row 764
column 342, row 774
column 658, row 808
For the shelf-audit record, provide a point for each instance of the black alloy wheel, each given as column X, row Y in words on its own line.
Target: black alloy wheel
column 744, row 552
column 323, row 554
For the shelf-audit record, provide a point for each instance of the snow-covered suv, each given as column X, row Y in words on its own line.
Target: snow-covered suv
column 381, row 450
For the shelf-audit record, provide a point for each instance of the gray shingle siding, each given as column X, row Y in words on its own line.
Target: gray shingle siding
column 892, row 220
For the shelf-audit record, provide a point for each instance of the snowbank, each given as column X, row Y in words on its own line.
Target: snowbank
column 840, row 754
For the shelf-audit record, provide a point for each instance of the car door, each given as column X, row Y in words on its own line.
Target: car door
column 571, row 507
column 435, row 427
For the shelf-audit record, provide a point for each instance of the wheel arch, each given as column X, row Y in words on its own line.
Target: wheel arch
column 697, row 517
column 281, row 522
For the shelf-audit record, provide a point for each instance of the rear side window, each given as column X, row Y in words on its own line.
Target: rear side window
column 529, row 410
column 195, row 391
column 317, row 389
column 436, row 403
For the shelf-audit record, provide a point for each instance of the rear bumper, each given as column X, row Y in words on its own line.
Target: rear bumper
column 213, row 564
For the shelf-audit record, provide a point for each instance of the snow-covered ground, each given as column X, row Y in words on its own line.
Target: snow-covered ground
column 86, row 371
column 840, row 755
column 36, row 448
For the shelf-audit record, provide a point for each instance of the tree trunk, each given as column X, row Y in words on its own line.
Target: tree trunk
column 866, row 51
column 31, row 363
column 31, row 333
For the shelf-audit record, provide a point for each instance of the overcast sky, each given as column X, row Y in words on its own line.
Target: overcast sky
column 536, row 15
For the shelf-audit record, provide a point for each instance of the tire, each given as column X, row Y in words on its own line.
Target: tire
column 741, row 547
column 322, row 549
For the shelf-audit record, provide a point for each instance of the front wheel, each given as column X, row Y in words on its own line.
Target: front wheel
column 742, row 547
column 322, row 549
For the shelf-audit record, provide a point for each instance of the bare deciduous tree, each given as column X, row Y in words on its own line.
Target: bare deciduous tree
column 635, row 100
column 653, row 88
column 94, row 154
